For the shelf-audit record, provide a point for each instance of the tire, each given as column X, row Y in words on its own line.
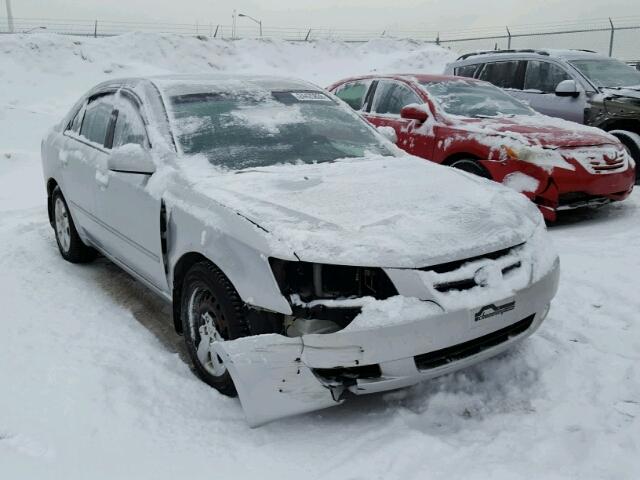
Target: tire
column 210, row 306
column 631, row 142
column 471, row 166
column 71, row 246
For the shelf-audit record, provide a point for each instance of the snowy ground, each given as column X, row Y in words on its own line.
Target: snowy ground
column 94, row 383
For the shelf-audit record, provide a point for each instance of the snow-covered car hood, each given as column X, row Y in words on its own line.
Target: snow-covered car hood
column 631, row 92
column 538, row 130
column 401, row 212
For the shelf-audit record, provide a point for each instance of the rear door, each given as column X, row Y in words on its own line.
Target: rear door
column 129, row 214
column 539, row 89
column 388, row 100
column 506, row 74
column 83, row 150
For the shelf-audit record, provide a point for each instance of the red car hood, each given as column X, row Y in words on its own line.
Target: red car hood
column 537, row 130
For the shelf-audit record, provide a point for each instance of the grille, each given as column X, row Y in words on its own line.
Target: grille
column 447, row 355
column 467, row 281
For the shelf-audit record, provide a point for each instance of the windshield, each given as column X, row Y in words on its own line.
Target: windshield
column 239, row 130
column 608, row 72
column 474, row 99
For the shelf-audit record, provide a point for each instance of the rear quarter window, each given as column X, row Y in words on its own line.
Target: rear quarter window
column 467, row 70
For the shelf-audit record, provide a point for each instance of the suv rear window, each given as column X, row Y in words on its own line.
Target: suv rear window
column 502, row 74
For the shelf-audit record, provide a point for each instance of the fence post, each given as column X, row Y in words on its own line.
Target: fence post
column 613, row 31
column 508, row 38
column 438, row 39
column 95, row 29
column 306, row 39
column 216, row 32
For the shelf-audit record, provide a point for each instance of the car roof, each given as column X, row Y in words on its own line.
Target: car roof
column 566, row 54
column 411, row 77
column 214, row 82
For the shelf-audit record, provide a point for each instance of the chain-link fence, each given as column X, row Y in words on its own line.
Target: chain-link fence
column 618, row 37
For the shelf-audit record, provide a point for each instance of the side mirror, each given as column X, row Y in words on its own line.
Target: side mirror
column 415, row 112
column 388, row 132
column 131, row 158
column 567, row 88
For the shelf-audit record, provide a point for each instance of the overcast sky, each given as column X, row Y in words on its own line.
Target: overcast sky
column 444, row 15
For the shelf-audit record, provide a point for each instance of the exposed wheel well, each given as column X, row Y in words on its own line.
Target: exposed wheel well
column 629, row 125
column 51, row 185
column 180, row 270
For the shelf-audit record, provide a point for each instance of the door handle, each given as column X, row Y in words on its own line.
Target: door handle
column 102, row 179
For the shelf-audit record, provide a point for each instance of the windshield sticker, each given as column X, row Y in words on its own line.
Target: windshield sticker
column 310, row 97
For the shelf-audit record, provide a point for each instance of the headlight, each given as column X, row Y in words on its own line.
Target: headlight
column 326, row 298
column 315, row 281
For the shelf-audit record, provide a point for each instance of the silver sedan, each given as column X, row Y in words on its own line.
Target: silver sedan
column 306, row 257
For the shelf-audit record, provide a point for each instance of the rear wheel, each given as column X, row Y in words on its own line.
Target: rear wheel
column 70, row 245
column 211, row 310
column 471, row 166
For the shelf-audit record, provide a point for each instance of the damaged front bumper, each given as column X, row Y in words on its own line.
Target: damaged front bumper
column 277, row 376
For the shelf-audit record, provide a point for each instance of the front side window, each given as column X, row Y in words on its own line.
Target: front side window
column 241, row 129
column 543, row 76
column 501, row 74
column 353, row 94
column 391, row 97
column 469, row 98
column 608, row 72
column 96, row 119
column 129, row 128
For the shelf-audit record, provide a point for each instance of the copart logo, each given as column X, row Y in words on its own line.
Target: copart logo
column 492, row 310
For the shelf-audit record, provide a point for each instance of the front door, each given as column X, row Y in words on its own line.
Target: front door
column 389, row 99
column 130, row 215
column 540, row 82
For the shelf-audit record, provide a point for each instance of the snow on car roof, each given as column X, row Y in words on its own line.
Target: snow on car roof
column 225, row 82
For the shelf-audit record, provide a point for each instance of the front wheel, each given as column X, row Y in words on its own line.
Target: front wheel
column 631, row 142
column 471, row 166
column 210, row 310
column 69, row 242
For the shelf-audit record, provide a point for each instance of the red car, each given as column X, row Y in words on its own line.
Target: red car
column 474, row 126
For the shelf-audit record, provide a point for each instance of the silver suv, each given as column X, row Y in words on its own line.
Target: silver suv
column 577, row 85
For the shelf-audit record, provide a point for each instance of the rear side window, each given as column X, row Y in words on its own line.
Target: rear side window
column 129, row 125
column 391, row 97
column 543, row 76
column 466, row 70
column 96, row 119
column 502, row 74
column 353, row 93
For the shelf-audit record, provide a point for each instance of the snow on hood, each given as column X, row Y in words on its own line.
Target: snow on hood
column 538, row 130
column 399, row 212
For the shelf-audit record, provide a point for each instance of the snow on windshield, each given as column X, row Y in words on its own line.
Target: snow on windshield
column 247, row 128
column 608, row 72
column 474, row 99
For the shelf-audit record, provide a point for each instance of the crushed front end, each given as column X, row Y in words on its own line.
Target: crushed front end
column 388, row 328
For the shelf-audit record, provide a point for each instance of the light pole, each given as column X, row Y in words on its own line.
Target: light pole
column 9, row 16
column 259, row 22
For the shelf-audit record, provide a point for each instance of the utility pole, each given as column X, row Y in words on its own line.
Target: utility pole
column 9, row 16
